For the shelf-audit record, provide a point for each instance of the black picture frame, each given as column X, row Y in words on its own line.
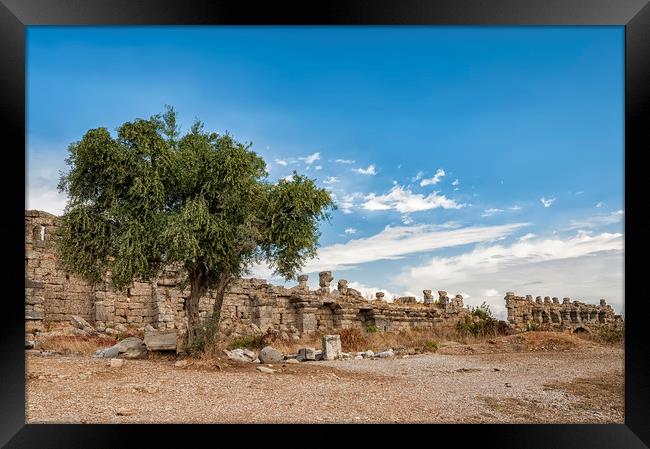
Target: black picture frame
column 15, row 15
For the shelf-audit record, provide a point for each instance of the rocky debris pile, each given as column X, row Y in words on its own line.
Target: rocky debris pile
column 129, row 348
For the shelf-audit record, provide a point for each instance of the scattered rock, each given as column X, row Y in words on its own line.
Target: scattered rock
column 368, row 354
column 266, row 370
column 508, row 385
column 110, row 331
column 149, row 328
column 295, row 337
column 124, row 412
column 291, row 361
column 240, row 355
column 117, row 363
column 29, row 344
column 270, row 355
column 79, row 322
column 121, row 328
column 384, row 354
column 79, row 332
column 305, row 354
column 181, row 364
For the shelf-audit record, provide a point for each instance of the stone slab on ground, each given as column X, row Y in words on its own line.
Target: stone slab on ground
column 160, row 340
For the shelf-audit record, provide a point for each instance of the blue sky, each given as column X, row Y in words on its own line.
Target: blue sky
column 476, row 160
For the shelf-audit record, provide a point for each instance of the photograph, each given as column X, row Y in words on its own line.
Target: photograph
column 325, row 224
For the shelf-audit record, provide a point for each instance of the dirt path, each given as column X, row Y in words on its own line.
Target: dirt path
column 571, row 386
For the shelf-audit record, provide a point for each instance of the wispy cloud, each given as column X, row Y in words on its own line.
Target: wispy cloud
column 515, row 207
column 418, row 176
column 331, row 180
column 282, row 162
column 581, row 266
column 404, row 200
column 349, row 201
column 596, row 221
column 547, row 202
column 600, row 204
column 440, row 173
column 490, row 212
column 366, row 171
column 344, row 161
column 397, row 242
column 318, row 167
column 350, row 231
column 456, row 182
column 311, row 158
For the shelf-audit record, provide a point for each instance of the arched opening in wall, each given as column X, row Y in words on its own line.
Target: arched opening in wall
column 546, row 318
column 580, row 330
column 555, row 317
column 574, row 316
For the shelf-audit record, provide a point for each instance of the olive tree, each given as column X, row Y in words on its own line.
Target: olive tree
column 150, row 197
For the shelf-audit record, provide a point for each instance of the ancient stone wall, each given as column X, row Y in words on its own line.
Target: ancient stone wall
column 250, row 304
column 550, row 314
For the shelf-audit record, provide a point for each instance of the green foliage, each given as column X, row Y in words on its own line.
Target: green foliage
column 149, row 197
column 247, row 342
column 431, row 345
column 610, row 334
column 485, row 325
column 206, row 334
column 482, row 311
column 533, row 326
column 371, row 329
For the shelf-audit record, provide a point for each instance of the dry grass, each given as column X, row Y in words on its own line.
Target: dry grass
column 604, row 392
column 75, row 345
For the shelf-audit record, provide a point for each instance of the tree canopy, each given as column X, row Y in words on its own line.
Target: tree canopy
column 150, row 197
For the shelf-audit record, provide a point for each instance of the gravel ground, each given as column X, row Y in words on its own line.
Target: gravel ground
column 572, row 386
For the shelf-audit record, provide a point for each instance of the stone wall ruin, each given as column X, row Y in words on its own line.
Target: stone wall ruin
column 51, row 295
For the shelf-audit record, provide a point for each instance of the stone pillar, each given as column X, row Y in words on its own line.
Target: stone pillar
column 342, row 286
column 379, row 296
column 428, row 297
column 302, row 282
column 324, row 279
column 443, row 299
column 331, row 347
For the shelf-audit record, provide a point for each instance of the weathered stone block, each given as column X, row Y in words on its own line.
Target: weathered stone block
column 161, row 340
column 331, row 347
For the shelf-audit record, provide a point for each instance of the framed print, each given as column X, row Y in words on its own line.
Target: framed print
column 411, row 213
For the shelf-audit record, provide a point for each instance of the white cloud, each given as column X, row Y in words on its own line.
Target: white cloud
column 515, row 207
column 418, row 176
column 490, row 212
column 407, row 220
column 528, row 236
column 547, row 202
column 311, row 158
column 489, row 292
column 596, row 221
column 366, row 171
column 349, row 201
column 281, row 162
column 435, row 180
column 331, row 180
column 288, row 177
column 344, row 161
column 350, row 231
column 456, row 182
column 46, row 200
column 397, row 242
column 318, row 167
column 403, row 200
column 583, row 267
column 600, row 204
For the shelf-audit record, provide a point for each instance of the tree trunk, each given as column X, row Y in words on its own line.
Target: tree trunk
column 198, row 287
column 224, row 280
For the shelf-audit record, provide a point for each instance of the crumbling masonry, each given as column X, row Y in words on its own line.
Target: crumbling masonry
column 51, row 295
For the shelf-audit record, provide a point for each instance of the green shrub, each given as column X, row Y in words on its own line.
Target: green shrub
column 371, row 329
column 533, row 326
column 247, row 342
column 431, row 345
column 610, row 334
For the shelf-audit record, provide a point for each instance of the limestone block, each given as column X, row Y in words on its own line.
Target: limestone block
column 160, row 340
column 331, row 347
